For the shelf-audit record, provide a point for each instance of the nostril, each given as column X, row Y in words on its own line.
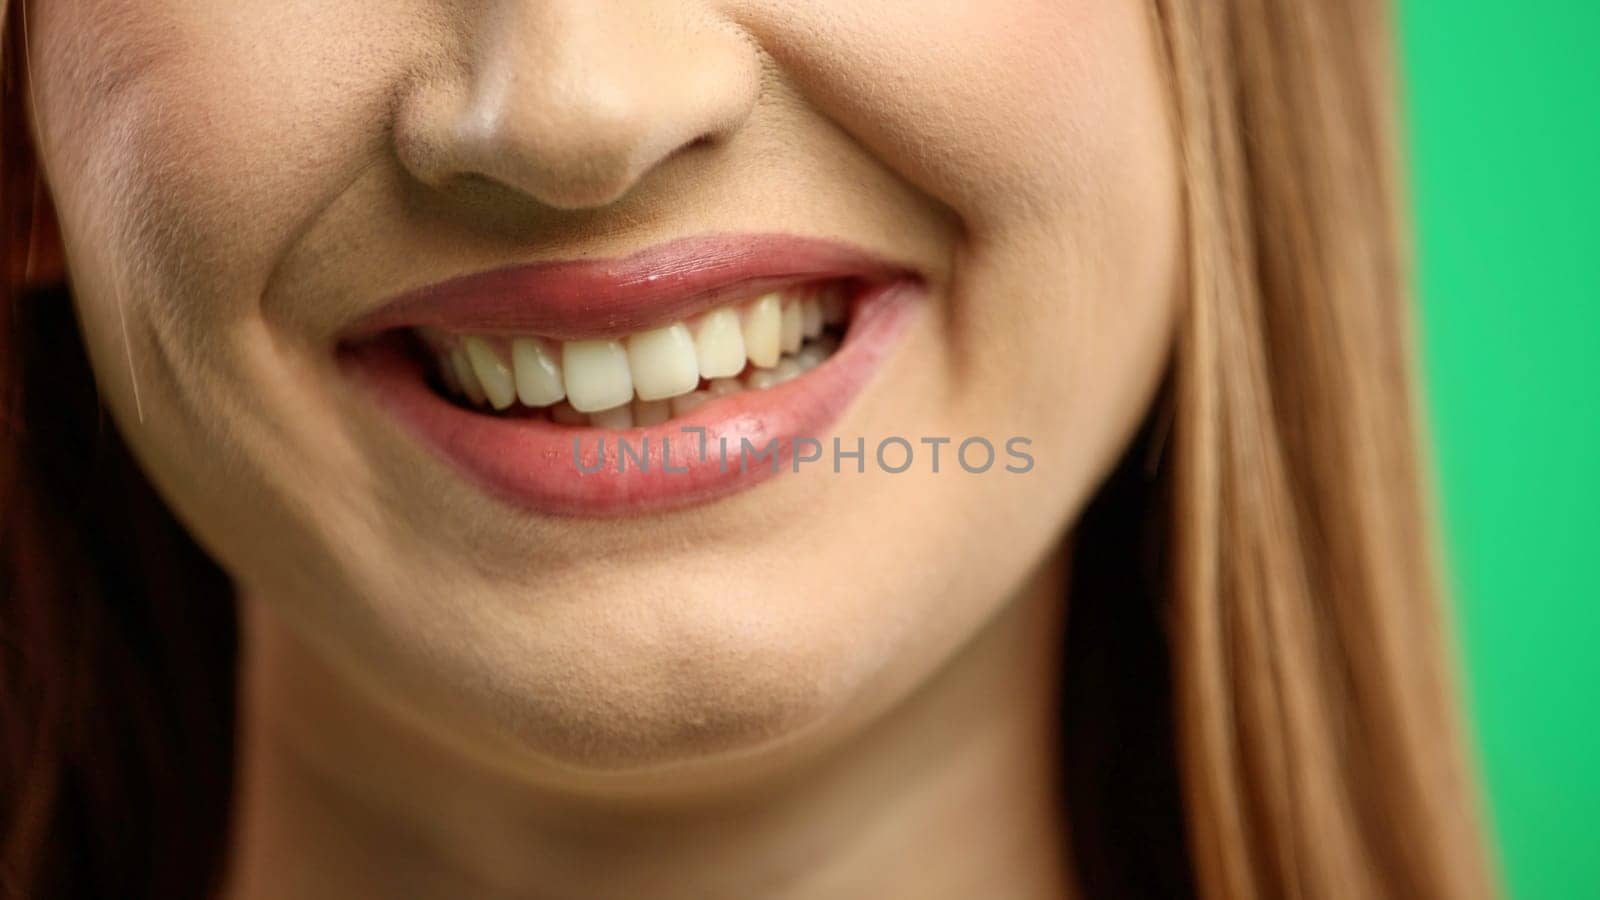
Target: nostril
column 702, row 142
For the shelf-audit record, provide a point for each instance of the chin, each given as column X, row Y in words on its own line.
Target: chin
column 653, row 684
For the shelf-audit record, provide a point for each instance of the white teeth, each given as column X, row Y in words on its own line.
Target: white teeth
column 663, row 363
column 620, row 417
column 763, row 320
column 790, row 328
column 492, row 371
column 596, row 375
column 811, row 317
column 652, row 412
column 649, row 377
column 719, row 344
column 538, row 373
column 464, row 374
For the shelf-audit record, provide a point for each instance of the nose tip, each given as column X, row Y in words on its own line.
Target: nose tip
column 573, row 106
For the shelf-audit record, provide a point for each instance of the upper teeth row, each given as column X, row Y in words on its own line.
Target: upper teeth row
column 595, row 375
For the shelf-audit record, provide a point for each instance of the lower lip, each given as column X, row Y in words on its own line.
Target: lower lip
column 533, row 463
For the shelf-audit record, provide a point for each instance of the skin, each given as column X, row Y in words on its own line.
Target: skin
column 827, row 686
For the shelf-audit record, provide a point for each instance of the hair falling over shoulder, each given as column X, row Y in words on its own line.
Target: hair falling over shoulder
column 116, row 631
column 1319, row 744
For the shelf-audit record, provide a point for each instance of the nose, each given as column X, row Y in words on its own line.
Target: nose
column 573, row 102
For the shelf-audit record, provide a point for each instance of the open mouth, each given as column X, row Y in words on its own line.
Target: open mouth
column 607, row 387
column 648, row 377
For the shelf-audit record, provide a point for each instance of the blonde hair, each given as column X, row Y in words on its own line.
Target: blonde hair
column 1319, row 748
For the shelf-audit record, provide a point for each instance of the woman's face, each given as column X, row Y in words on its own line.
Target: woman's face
column 989, row 188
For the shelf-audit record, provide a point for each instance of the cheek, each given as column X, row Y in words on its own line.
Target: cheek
column 185, row 145
column 198, row 138
column 1001, row 109
column 1043, row 126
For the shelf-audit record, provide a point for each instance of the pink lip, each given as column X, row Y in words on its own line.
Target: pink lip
column 576, row 299
column 562, row 470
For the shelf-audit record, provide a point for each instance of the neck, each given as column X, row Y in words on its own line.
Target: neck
column 952, row 794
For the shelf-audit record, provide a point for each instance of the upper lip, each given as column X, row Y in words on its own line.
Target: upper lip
column 593, row 298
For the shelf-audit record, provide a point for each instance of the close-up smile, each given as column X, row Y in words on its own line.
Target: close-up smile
column 713, row 449
column 689, row 357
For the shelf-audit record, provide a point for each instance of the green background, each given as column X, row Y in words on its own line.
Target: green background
column 1504, row 119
